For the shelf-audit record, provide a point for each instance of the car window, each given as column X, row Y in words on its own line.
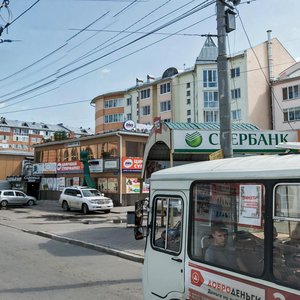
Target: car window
column 20, row 194
column 90, row 193
column 8, row 193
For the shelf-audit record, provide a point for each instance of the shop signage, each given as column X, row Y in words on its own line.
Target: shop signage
column 73, row 144
column 69, row 167
column 132, row 164
column 44, row 168
column 129, row 125
column 96, row 165
column 14, row 178
column 110, row 164
column 32, row 178
column 242, row 141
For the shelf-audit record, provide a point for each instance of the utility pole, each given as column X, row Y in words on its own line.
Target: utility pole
column 225, row 24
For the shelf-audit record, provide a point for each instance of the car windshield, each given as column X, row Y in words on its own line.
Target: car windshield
column 90, row 193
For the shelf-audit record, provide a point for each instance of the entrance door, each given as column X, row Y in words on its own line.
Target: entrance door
column 165, row 256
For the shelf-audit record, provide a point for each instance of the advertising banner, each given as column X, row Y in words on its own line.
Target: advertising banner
column 132, row 164
column 243, row 141
column 69, row 167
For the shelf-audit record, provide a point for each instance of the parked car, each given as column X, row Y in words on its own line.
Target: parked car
column 84, row 198
column 15, row 197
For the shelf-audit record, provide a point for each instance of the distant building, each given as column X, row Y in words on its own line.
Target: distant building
column 286, row 99
column 22, row 135
column 191, row 95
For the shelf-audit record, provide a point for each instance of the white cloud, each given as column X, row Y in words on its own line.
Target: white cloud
column 106, row 70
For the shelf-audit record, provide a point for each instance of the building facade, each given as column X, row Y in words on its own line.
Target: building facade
column 22, row 135
column 115, row 163
column 192, row 95
column 286, row 99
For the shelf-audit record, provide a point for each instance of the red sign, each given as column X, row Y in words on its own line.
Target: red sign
column 132, row 163
column 157, row 124
column 196, row 278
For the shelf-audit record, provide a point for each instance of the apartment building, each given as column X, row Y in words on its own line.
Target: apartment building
column 22, row 135
column 286, row 99
column 191, row 95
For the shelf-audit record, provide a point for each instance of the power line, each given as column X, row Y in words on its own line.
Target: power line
column 260, row 66
column 136, row 51
column 191, row 11
column 186, row 14
column 141, row 32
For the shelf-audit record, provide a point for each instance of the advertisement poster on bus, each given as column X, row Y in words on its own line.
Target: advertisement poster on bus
column 250, row 205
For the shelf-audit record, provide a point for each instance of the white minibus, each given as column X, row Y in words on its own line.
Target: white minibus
column 223, row 229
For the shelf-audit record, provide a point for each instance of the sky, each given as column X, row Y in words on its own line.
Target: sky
column 64, row 53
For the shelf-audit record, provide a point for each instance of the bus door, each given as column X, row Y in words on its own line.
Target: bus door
column 165, row 256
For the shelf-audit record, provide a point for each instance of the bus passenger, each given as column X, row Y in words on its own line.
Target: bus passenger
column 219, row 253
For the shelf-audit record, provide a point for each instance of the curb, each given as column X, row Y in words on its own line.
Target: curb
column 100, row 248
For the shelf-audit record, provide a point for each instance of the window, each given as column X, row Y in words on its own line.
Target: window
column 188, row 93
column 236, row 114
column 113, row 118
column 165, row 106
column 211, row 99
column 235, row 72
column 146, row 110
column 135, row 149
column 188, row 101
column 74, row 154
column 291, row 114
column 166, row 235
column 188, row 112
column 5, row 129
column 129, row 116
column 236, row 93
column 210, row 78
column 286, row 234
column 291, row 92
column 117, row 102
column 128, row 101
column 211, row 116
column 227, row 225
column 165, row 88
column 189, row 120
column 8, row 193
column 66, row 155
column 188, row 85
column 145, row 94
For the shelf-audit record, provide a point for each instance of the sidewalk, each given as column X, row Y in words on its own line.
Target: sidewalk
column 108, row 233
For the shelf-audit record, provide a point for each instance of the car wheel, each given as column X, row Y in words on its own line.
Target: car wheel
column 30, row 202
column 85, row 209
column 65, row 206
column 4, row 203
column 107, row 211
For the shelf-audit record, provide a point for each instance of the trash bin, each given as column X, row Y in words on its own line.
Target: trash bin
column 130, row 218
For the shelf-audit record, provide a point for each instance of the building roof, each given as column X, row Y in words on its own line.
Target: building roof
column 208, row 53
column 43, row 126
column 208, row 126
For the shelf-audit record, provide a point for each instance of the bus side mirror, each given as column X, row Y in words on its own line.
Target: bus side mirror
column 139, row 233
column 140, row 206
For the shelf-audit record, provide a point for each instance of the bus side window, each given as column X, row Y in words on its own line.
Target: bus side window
column 167, row 224
column 286, row 235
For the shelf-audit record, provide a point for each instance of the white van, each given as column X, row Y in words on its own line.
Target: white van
column 257, row 201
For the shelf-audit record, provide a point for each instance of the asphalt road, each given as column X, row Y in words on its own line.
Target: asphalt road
column 33, row 267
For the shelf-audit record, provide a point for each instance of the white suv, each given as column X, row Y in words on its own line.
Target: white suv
column 84, row 198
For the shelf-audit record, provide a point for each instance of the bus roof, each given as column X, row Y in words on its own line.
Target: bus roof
column 239, row 168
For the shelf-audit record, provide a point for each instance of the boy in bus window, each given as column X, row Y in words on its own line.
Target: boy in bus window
column 219, row 253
